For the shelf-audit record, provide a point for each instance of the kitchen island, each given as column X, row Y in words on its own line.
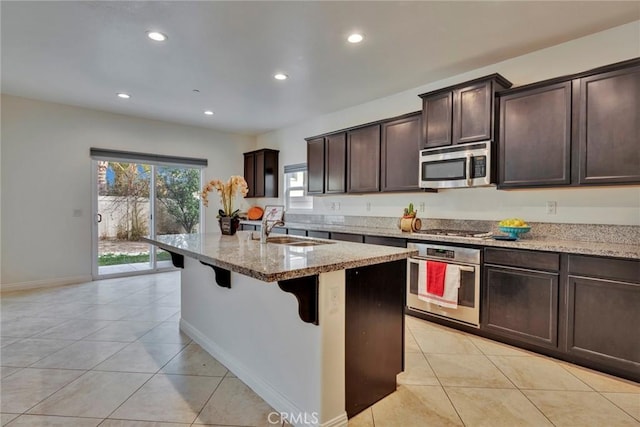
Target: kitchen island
column 314, row 327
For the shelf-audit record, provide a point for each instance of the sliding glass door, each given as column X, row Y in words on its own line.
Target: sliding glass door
column 139, row 199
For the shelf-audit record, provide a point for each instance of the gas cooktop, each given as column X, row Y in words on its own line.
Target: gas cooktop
column 450, row 232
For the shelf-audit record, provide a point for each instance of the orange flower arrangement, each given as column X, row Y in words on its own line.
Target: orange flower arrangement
column 227, row 192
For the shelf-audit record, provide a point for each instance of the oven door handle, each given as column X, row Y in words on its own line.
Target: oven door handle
column 462, row 267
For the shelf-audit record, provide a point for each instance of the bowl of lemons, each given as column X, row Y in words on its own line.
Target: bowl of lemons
column 514, row 227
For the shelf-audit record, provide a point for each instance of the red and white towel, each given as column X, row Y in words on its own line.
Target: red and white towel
column 438, row 283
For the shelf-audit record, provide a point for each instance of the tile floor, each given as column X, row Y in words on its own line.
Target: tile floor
column 110, row 353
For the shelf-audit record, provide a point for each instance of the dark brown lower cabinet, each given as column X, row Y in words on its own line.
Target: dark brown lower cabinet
column 318, row 234
column 347, row 237
column 522, row 304
column 374, row 328
column 603, row 312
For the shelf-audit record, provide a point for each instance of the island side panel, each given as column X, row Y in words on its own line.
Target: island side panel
column 375, row 298
column 254, row 329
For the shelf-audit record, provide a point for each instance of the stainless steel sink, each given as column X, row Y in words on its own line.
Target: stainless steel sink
column 294, row 241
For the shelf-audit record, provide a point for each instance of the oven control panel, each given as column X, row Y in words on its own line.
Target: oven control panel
column 441, row 253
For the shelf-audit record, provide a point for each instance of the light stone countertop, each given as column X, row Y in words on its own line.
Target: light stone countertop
column 616, row 250
column 272, row 262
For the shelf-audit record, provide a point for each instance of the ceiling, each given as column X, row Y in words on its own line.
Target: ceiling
column 83, row 52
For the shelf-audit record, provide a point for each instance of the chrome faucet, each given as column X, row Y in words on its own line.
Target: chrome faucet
column 267, row 227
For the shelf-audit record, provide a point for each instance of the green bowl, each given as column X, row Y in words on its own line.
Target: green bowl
column 514, row 232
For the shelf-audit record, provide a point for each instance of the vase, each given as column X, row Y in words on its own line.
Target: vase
column 229, row 225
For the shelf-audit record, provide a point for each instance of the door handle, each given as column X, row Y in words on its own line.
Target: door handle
column 99, row 217
column 469, row 160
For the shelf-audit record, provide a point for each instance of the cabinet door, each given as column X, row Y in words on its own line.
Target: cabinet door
column 336, row 163
column 270, row 175
column 521, row 304
column 250, row 173
column 347, row 237
column 603, row 319
column 609, row 128
column 374, row 329
column 472, row 113
column 259, row 174
column 363, row 160
column 315, row 166
column 535, row 137
column 400, row 152
column 385, row 241
column 436, row 120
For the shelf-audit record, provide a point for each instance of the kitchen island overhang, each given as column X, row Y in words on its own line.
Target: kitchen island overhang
column 289, row 341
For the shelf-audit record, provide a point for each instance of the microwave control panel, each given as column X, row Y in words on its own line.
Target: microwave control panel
column 479, row 167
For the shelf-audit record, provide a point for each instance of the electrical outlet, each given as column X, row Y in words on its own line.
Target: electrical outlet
column 368, row 206
column 422, row 207
column 334, row 299
column 337, row 206
column 333, row 206
column 551, row 208
column 77, row 213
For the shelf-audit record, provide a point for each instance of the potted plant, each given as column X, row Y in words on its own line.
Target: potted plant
column 409, row 222
column 228, row 218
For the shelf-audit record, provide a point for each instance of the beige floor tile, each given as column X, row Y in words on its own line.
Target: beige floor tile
column 157, row 314
column 494, row 348
column 28, row 351
column 436, row 342
column 467, row 371
column 417, row 406
column 53, row 421
column 5, row 341
column 5, row 418
column 579, row 408
column 170, row 398
column 128, row 423
column 410, row 344
column 5, row 371
column 603, row 382
column 28, row 387
column 628, row 402
column 166, row 332
column 80, row 355
column 74, row 329
column 537, row 373
column 25, row 327
column 233, row 403
column 141, row 357
column 417, row 371
column 193, row 360
column 122, row 331
column 108, row 312
column 480, row 407
column 69, row 310
column 363, row 419
column 95, row 394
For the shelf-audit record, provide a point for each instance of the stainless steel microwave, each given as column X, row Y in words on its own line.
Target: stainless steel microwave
column 462, row 165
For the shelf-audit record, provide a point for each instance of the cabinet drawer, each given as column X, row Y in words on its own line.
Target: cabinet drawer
column 385, row 241
column 347, row 237
column 524, row 259
column 297, row 232
column 318, row 234
column 626, row 270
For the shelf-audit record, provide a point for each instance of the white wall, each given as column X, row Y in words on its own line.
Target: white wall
column 46, row 174
column 613, row 205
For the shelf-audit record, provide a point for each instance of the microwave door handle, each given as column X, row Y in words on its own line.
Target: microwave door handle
column 469, row 157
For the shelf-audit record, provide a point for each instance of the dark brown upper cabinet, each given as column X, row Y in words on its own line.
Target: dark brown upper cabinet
column 363, row 159
column 582, row 129
column 461, row 113
column 535, row 137
column 261, row 173
column 609, row 127
column 335, row 163
column 400, row 143
column 315, row 166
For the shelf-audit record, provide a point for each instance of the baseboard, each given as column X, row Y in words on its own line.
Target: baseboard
column 47, row 283
column 252, row 379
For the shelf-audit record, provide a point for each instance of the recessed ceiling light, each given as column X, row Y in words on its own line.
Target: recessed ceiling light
column 208, row 113
column 124, row 95
column 156, row 36
column 355, row 38
column 280, row 76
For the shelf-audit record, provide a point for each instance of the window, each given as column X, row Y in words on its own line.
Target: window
column 295, row 188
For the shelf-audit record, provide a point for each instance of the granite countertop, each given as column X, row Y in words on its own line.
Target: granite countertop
column 273, row 262
column 540, row 243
